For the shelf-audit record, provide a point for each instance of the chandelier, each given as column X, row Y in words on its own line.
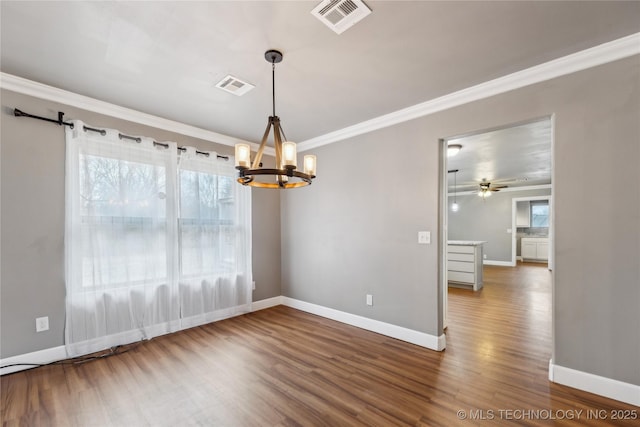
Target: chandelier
column 284, row 175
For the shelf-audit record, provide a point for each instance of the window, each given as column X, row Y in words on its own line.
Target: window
column 539, row 214
column 123, row 216
column 206, row 224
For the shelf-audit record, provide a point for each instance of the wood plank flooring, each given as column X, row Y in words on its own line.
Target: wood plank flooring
column 283, row 367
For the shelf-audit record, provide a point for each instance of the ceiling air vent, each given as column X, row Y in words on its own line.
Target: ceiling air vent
column 234, row 85
column 340, row 15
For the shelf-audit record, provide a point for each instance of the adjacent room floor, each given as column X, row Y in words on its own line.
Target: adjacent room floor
column 284, row 367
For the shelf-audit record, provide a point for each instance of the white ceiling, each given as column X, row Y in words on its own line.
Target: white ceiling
column 164, row 58
column 515, row 156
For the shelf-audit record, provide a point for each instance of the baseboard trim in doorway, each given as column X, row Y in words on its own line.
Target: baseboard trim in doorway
column 602, row 386
column 498, row 263
column 422, row 339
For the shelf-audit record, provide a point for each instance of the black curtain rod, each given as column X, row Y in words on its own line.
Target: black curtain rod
column 19, row 113
column 61, row 122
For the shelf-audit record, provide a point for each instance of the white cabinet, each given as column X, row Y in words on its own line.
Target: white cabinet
column 464, row 264
column 542, row 250
column 529, row 249
column 535, row 248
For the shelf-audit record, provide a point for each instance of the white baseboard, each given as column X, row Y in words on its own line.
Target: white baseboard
column 422, row 339
column 83, row 348
column 41, row 357
column 409, row 335
column 266, row 303
column 603, row 386
column 498, row 263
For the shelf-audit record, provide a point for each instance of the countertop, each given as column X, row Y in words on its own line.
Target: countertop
column 466, row 242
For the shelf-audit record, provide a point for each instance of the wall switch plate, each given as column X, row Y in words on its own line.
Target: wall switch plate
column 424, row 237
column 253, row 285
column 42, row 324
column 509, row 230
column 369, row 299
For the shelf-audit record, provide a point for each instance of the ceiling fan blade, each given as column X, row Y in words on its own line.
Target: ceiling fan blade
column 505, row 180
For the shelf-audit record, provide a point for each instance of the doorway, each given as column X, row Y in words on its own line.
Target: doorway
column 491, row 169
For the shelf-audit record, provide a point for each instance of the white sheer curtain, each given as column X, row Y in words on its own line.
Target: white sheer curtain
column 215, row 239
column 132, row 263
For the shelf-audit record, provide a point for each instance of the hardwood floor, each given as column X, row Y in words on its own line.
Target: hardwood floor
column 283, row 367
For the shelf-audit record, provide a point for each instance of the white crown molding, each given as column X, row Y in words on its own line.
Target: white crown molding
column 588, row 58
column 50, row 93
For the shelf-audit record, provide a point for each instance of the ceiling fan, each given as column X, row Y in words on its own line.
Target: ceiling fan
column 486, row 188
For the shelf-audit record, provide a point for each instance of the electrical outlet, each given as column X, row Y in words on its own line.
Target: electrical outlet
column 42, row 324
column 484, row 256
column 424, row 237
column 369, row 299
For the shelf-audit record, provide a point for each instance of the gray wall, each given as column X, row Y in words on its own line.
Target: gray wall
column 487, row 220
column 32, row 215
column 354, row 230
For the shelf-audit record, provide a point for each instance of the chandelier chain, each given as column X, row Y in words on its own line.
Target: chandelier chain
column 273, row 86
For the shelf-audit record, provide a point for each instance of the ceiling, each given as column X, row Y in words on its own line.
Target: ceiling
column 164, row 58
column 516, row 156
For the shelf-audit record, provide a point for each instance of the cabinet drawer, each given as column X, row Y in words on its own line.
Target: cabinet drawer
column 461, row 257
column 457, row 276
column 467, row 267
column 460, row 249
column 535, row 240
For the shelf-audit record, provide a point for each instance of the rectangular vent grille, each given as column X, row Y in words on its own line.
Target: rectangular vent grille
column 340, row 15
column 234, row 85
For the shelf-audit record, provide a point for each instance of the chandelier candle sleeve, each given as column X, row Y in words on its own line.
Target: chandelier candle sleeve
column 289, row 154
column 310, row 165
column 243, row 155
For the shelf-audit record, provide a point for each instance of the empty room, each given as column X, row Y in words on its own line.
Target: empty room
column 277, row 213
